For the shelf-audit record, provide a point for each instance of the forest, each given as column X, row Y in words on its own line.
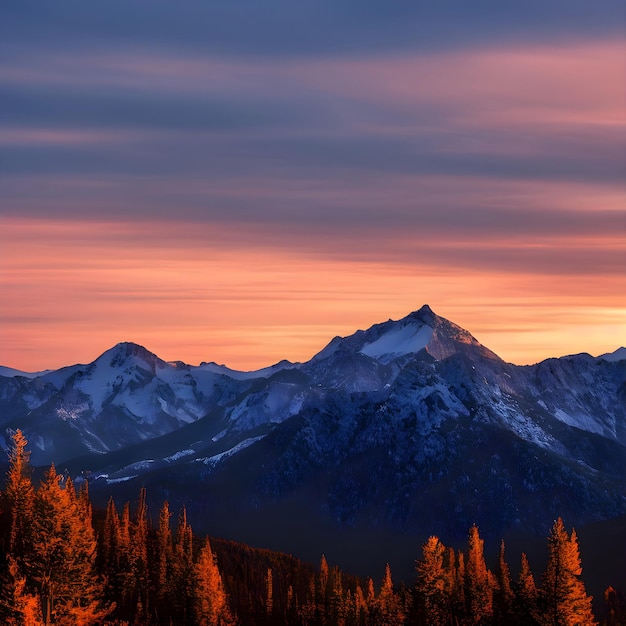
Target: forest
column 63, row 563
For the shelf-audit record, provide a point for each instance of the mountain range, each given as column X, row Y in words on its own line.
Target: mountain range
column 408, row 428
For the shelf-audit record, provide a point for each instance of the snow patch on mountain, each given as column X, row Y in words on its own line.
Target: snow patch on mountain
column 9, row 372
column 584, row 422
column 397, row 342
column 264, row 372
column 179, row 455
column 213, row 460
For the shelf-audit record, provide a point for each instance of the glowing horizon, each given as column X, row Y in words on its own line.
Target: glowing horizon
column 238, row 192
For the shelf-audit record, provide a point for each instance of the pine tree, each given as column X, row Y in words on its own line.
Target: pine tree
column 337, row 601
column 20, row 497
column 211, row 605
column 360, row 606
column 459, row 605
column 387, row 611
column 432, row 589
column 565, row 600
column 139, row 556
column 614, row 607
column 322, row 591
column 503, row 596
column 123, row 577
column 164, row 555
column 525, row 604
column 183, row 570
column 62, row 561
column 478, row 587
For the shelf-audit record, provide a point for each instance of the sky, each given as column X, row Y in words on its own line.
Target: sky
column 240, row 182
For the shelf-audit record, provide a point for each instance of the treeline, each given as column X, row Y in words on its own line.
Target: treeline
column 61, row 564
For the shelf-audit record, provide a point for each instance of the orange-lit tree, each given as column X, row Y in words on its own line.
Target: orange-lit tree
column 211, row 604
column 565, row 601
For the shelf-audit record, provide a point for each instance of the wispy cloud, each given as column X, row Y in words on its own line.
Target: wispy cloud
column 307, row 162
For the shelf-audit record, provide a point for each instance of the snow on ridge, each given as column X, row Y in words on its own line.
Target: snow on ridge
column 240, row 446
column 409, row 339
column 179, row 455
column 264, row 372
column 9, row 372
column 123, row 479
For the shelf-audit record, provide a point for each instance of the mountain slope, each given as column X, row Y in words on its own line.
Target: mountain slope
column 407, row 428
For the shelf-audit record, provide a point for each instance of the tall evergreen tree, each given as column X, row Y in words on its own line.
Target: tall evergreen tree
column 211, row 604
column 183, row 570
column 387, row 609
column 503, row 595
column 337, row 602
column 139, row 557
column 478, row 581
column 614, row 608
column 525, row 604
column 62, row 561
column 164, row 551
column 20, row 497
column 432, row 588
column 565, row 601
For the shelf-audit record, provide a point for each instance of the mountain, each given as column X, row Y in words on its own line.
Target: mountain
column 409, row 428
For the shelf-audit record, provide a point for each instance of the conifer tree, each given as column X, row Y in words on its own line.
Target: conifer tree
column 62, row 561
column 565, row 601
column 110, row 533
column 124, row 576
column 387, row 610
column 164, row 555
column 456, row 572
column 20, row 496
column 360, row 606
column 211, row 605
column 478, row 587
column 139, row 555
column 183, row 569
column 337, row 601
column 503, row 594
column 431, row 588
column 525, row 604
column 614, row 607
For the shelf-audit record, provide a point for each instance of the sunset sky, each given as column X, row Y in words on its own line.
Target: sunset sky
column 240, row 181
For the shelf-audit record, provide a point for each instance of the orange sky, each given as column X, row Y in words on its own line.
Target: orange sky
column 243, row 194
column 73, row 290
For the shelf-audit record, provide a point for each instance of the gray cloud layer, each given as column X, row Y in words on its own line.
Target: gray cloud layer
column 266, row 114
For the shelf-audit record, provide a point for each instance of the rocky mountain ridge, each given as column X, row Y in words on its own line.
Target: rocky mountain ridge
column 410, row 426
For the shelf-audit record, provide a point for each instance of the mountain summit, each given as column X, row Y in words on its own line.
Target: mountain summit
column 407, row 428
column 420, row 330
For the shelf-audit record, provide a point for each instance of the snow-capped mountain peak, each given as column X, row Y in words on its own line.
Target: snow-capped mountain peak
column 399, row 341
column 397, row 426
column 129, row 354
column 420, row 330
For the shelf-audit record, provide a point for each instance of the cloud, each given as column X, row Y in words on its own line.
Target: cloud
column 279, row 28
column 317, row 158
